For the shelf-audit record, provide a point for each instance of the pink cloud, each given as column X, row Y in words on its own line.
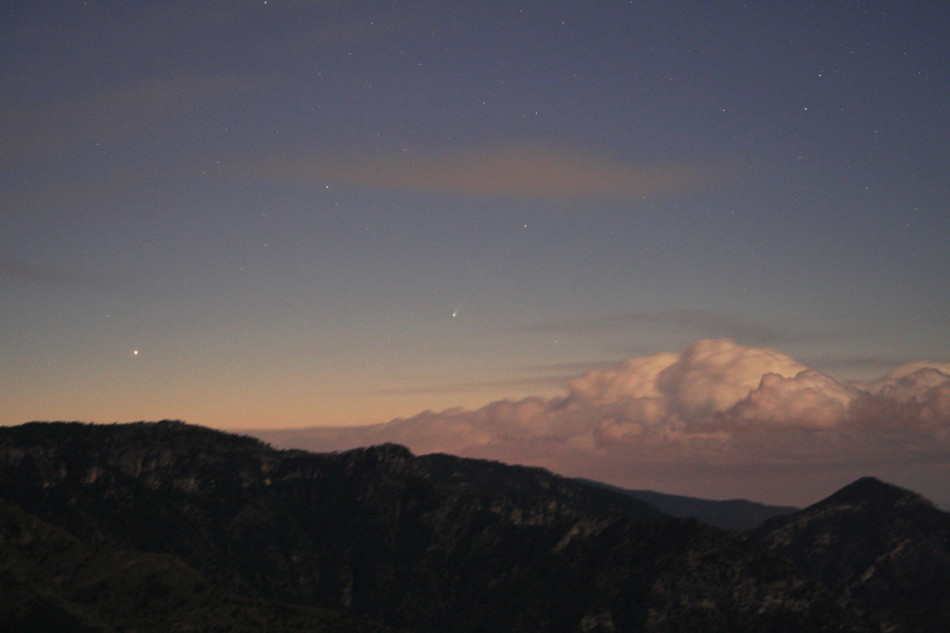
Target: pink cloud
column 916, row 400
column 718, row 411
column 809, row 400
column 526, row 170
column 713, row 375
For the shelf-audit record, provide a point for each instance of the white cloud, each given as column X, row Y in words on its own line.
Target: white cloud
column 903, row 375
column 713, row 375
column 912, row 397
column 809, row 400
column 726, row 411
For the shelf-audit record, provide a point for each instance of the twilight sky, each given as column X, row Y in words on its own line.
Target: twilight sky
column 266, row 215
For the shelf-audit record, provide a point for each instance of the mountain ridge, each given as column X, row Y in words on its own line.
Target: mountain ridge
column 884, row 546
column 429, row 543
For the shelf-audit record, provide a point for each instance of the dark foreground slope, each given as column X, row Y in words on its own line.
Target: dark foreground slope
column 51, row 581
column 886, row 547
column 431, row 543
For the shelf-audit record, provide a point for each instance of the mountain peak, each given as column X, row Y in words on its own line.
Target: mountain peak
column 872, row 492
column 877, row 543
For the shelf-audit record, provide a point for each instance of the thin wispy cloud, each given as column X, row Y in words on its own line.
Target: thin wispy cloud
column 30, row 273
column 146, row 107
column 476, row 386
column 874, row 365
column 525, row 170
column 688, row 321
column 571, row 368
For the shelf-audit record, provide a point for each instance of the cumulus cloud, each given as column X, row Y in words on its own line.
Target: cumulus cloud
column 711, row 376
column 809, row 400
column 726, row 411
column 912, row 397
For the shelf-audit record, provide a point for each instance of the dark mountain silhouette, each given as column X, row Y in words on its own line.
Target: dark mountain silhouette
column 883, row 546
column 51, row 581
column 732, row 514
column 433, row 543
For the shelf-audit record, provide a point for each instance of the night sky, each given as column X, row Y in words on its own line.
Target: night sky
column 576, row 234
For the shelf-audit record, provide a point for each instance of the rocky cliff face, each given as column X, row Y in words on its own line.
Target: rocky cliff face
column 432, row 543
column 886, row 547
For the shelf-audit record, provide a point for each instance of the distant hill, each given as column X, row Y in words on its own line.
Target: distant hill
column 883, row 546
column 733, row 514
column 424, row 544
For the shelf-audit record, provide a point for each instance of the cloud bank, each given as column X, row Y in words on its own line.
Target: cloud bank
column 718, row 419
